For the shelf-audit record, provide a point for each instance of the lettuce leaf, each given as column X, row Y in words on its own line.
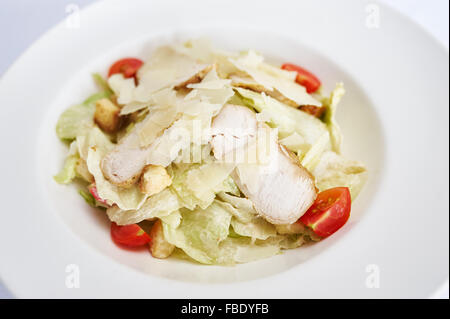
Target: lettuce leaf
column 245, row 221
column 95, row 97
column 312, row 157
column 173, row 219
column 292, row 241
column 200, row 232
column 228, row 186
column 257, row 228
column 102, row 84
column 197, row 185
column 243, row 207
column 295, row 143
column 82, row 171
column 286, row 119
column 88, row 198
column 331, row 104
column 244, row 249
column 204, row 236
column 333, row 170
column 68, row 172
column 78, row 119
column 94, row 147
column 159, row 205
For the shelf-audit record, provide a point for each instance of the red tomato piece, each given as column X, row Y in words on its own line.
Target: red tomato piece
column 304, row 77
column 129, row 235
column 329, row 212
column 128, row 67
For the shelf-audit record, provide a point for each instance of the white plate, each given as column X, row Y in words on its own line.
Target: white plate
column 394, row 118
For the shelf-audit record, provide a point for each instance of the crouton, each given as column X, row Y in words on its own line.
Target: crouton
column 107, row 115
column 159, row 246
column 154, row 179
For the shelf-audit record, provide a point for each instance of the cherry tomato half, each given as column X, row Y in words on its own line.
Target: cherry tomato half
column 329, row 212
column 304, row 77
column 129, row 235
column 128, row 67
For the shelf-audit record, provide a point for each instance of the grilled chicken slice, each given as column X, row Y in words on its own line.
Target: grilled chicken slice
column 124, row 164
column 232, row 129
column 280, row 189
column 280, row 194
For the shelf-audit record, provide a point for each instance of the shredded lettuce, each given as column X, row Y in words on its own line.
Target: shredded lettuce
column 82, row 171
column 173, row 219
column 258, row 228
column 245, row 221
column 204, row 236
column 68, row 172
column 102, row 84
column 292, row 241
column 95, row 97
column 197, row 185
column 331, row 104
column 333, row 170
column 96, row 145
column 87, row 197
column 312, row 157
column 286, row 119
column 75, row 121
column 244, row 250
column 228, row 186
column 78, row 119
column 295, row 143
column 159, row 205
column 241, row 208
column 200, row 233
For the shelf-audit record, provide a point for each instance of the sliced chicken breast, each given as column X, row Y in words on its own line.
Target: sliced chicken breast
column 232, row 129
column 280, row 189
column 124, row 164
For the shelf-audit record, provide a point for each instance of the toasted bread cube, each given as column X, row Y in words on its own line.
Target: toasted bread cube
column 107, row 115
column 154, row 179
column 159, row 246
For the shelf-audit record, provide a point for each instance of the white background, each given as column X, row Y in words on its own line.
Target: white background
column 23, row 21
